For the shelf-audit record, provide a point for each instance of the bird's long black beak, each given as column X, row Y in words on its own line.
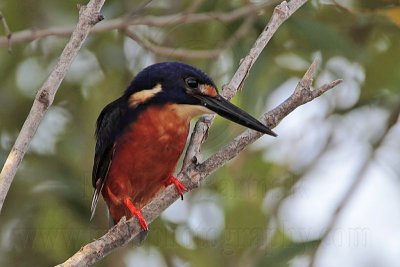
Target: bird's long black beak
column 226, row 109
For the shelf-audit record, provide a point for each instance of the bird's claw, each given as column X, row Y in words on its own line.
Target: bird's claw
column 178, row 185
column 137, row 213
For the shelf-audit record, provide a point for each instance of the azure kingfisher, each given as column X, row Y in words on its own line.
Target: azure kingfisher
column 141, row 135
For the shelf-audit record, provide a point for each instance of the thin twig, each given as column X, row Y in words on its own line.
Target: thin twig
column 124, row 23
column 194, row 5
column 88, row 16
column 138, row 9
column 360, row 177
column 176, row 53
column 7, row 31
column 180, row 53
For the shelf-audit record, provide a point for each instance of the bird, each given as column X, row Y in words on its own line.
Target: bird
column 141, row 135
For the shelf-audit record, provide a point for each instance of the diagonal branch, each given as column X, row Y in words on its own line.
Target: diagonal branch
column 281, row 13
column 88, row 16
column 302, row 94
column 192, row 174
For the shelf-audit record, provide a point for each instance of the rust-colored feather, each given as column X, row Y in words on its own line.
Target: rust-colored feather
column 145, row 156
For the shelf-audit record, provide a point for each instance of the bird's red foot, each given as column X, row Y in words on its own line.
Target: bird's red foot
column 137, row 213
column 178, row 185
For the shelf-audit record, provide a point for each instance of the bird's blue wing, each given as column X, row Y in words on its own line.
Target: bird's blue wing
column 108, row 127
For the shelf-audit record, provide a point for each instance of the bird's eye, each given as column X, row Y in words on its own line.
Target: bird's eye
column 192, row 83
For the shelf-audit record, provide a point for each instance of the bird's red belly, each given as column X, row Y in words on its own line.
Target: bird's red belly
column 145, row 157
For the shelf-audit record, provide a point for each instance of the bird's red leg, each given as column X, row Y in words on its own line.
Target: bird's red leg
column 178, row 185
column 137, row 213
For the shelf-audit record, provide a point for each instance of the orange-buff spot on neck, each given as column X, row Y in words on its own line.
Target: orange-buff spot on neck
column 208, row 90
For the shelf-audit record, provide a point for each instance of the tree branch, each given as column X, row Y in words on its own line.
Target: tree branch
column 88, row 16
column 125, row 22
column 180, row 53
column 192, row 173
column 281, row 13
column 302, row 94
column 7, row 31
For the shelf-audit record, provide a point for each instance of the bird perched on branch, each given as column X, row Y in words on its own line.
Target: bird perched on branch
column 141, row 135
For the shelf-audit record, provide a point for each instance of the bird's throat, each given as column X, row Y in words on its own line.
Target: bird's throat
column 188, row 112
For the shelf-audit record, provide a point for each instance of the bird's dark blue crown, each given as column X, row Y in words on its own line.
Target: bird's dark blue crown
column 169, row 74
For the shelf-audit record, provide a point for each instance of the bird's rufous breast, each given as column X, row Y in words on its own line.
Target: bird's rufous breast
column 145, row 156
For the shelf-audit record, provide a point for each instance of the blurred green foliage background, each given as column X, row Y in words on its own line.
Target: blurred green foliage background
column 244, row 214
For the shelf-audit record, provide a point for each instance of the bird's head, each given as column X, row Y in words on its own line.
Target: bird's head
column 190, row 89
